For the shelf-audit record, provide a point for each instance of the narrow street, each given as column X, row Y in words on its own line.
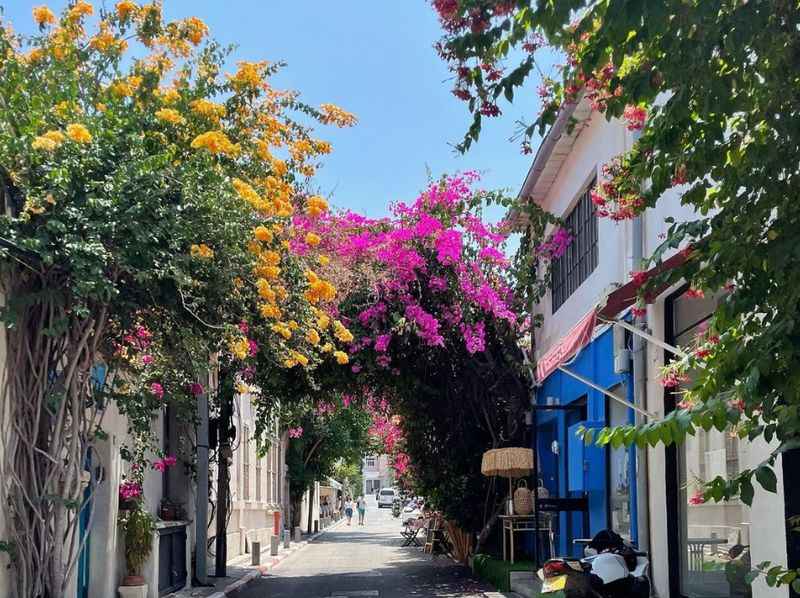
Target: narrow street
column 366, row 561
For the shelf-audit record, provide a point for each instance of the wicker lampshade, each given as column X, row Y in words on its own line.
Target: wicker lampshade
column 510, row 462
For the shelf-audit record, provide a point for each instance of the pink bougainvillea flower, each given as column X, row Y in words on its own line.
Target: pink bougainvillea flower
column 170, row 460
column 448, row 246
column 129, row 490
column 382, row 342
column 427, row 225
column 702, row 352
column 147, row 359
column 636, row 116
column 157, row 390
column 474, row 337
column 159, row 465
column 295, row 432
column 639, row 311
column 697, row 498
column 694, row 293
column 196, row 389
column 355, row 368
column 346, row 400
column 673, row 379
column 639, row 277
column 252, row 347
column 243, row 327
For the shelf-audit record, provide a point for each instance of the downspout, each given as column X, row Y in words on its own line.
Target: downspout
column 201, row 504
column 640, row 393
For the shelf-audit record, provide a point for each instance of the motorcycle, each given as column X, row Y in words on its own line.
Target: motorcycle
column 397, row 507
column 611, row 568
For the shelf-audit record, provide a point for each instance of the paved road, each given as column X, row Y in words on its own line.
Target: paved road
column 365, row 562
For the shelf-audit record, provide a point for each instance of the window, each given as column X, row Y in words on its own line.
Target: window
column 246, row 464
column 619, row 464
column 370, row 462
column 704, row 531
column 580, row 258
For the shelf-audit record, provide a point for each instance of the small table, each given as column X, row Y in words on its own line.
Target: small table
column 523, row 523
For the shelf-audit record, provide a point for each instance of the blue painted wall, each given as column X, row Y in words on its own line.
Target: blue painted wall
column 596, row 363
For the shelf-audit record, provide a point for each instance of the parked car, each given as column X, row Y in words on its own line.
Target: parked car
column 386, row 497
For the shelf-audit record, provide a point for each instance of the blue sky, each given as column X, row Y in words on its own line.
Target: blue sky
column 374, row 58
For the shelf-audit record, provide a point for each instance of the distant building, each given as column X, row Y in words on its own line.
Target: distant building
column 377, row 473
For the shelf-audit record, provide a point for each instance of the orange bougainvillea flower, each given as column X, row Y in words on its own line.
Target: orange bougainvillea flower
column 79, row 133
column 202, row 251
column 216, row 142
column 79, row 10
column 333, row 115
column 248, row 76
column 43, row 16
column 126, row 8
column 170, row 116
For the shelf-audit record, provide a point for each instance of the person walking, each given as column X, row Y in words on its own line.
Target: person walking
column 348, row 509
column 362, row 509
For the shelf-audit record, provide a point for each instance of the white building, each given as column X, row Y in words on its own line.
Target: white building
column 377, row 473
column 643, row 494
column 259, row 497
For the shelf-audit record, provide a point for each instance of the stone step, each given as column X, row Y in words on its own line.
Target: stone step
column 525, row 583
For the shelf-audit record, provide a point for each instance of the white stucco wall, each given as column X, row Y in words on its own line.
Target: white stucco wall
column 598, row 142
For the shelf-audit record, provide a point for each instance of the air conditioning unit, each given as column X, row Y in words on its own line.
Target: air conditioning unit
column 622, row 361
column 622, row 356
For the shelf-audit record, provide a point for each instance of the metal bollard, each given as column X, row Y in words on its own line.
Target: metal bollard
column 273, row 545
column 255, row 553
column 298, row 534
column 287, row 538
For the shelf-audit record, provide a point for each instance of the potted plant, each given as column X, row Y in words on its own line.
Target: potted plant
column 138, row 527
column 170, row 510
column 130, row 495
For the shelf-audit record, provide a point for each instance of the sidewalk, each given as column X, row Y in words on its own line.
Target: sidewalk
column 241, row 572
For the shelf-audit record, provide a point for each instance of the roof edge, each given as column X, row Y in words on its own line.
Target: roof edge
column 546, row 148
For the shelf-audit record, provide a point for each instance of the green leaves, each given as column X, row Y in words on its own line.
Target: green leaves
column 766, row 477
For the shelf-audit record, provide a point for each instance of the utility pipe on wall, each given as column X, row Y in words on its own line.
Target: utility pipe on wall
column 201, row 505
column 640, row 398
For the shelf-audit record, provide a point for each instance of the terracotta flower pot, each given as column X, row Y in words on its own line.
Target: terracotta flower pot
column 133, row 580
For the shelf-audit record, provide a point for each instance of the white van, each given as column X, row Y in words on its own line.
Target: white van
column 386, row 497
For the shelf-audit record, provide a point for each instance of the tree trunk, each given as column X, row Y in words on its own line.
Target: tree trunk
column 297, row 506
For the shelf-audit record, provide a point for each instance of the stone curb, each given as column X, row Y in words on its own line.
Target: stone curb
column 274, row 561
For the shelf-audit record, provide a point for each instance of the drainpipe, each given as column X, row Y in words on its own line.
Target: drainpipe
column 201, row 505
column 640, row 393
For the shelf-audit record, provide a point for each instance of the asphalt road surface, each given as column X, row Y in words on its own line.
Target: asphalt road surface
column 366, row 562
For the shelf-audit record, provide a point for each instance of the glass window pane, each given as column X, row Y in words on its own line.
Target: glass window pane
column 708, row 531
column 619, row 490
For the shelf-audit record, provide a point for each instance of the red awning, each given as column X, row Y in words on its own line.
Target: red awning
column 573, row 342
column 625, row 296
column 616, row 302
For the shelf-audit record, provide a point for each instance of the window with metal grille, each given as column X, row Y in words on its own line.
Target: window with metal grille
column 580, row 259
column 246, row 464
